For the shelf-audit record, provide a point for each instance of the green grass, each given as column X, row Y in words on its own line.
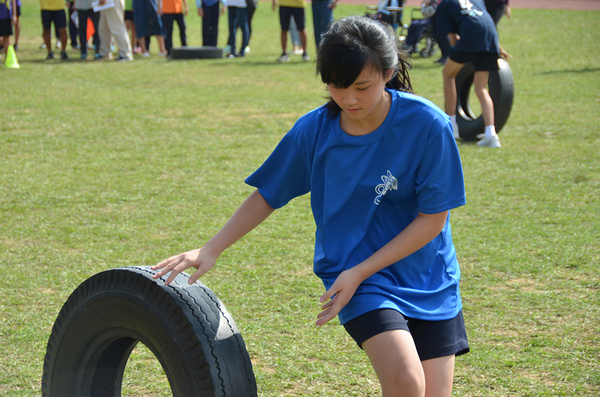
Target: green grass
column 106, row 165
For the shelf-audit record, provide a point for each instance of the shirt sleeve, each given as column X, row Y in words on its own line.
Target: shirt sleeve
column 284, row 175
column 440, row 184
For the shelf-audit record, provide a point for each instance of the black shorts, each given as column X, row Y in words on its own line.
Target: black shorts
column 285, row 14
column 58, row 17
column 6, row 27
column 433, row 339
column 18, row 11
column 483, row 61
column 128, row 16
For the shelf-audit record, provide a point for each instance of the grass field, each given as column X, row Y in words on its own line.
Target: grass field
column 107, row 164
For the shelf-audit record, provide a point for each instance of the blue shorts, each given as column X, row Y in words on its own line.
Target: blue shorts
column 58, row 17
column 433, row 339
column 285, row 15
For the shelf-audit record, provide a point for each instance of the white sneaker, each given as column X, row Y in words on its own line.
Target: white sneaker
column 227, row 50
column 283, row 58
column 490, row 141
column 305, row 57
column 146, row 55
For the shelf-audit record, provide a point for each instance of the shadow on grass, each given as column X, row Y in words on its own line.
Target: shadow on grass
column 583, row 70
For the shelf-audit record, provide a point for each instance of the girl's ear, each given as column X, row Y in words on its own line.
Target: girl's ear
column 388, row 76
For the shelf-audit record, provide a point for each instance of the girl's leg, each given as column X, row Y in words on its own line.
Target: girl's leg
column 396, row 362
column 480, row 82
column 451, row 69
column 439, row 375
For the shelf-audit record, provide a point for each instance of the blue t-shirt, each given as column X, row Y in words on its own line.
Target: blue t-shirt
column 471, row 21
column 365, row 190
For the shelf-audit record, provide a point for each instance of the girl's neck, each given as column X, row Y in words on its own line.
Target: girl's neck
column 370, row 123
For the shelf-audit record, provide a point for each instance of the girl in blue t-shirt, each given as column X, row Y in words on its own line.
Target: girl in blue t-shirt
column 383, row 171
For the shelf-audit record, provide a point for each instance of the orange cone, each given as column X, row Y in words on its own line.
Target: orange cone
column 11, row 59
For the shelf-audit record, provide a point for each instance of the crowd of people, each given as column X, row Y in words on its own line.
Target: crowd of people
column 130, row 24
column 465, row 31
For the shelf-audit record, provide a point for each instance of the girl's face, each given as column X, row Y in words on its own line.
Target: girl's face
column 364, row 104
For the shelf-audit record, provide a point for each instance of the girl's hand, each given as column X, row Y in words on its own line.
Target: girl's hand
column 199, row 258
column 338, row 295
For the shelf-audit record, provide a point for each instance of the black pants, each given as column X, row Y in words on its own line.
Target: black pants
column 72, row 27
column 167, row 20
column 83, row 17
column 210, row 24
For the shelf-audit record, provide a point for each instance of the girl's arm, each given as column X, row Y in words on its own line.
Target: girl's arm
column 253, row 211
column 417, row 234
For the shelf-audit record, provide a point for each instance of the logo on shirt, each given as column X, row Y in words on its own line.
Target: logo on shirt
column 389, row 183
column 467, row 9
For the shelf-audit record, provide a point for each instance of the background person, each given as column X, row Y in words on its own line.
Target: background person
column 210, row 11
column 174, row 11
column 53, row 12
column 112, row 26
column 473, row 35
column 85, row 11
column 322, row 11
column 289, row 9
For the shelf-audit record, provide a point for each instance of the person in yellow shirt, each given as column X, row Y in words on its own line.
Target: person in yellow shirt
column 287, row 10
column 53, row 11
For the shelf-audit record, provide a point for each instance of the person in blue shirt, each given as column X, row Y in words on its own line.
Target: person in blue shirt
column 383, row 170
column 210, row 11
column 474, row 38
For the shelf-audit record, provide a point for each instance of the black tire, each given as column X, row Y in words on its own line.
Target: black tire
column 196, row 53
column 186, row 327
column 501, row 88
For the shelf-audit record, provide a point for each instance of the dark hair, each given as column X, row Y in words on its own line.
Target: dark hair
column 352, row 43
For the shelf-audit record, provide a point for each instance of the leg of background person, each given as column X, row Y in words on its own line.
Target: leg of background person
column 233, row 16
column 250, row 11
column 243, row 23
column 284, row 34
column 95, row 17
column 322, row 17
column 303, row 40
column 82, row 31
column 105, row 36
column 480, row 83
column 17, row 30
column 72, row 27
column 5, row 44
column 439, row 376
column 182, row 34
column 396, row 362
column 119, row 30
column 450, row 71
column 167, row 20
column 47, row 41
column 63, row 38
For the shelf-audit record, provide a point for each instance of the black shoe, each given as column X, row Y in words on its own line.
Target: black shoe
column 50, row 55
column 64, row 56
column 16, row 47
